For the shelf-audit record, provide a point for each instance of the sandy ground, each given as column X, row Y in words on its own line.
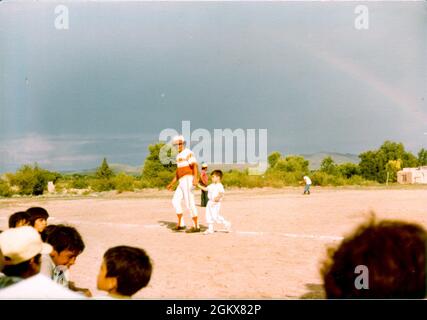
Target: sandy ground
column 278, row 240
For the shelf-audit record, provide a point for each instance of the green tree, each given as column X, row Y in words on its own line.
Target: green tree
column 5, row 190
column 155, row 174
column 32, row 180
column 292, row 164
column 369, row 166
column 287, row 171
column 104, row 171
column 392, row 167
column 409, row 160
column 373, row 163
column 123, row 182
column 422, row 157
column 348, row 170
column 328, row 166
column 273, row 158
column 79, row 181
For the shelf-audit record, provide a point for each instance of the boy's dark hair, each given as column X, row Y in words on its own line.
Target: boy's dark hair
column 217, row 173
column 18, row 216
column 63, row 237
column 130, row 266
column 395, row 256
column 37, row 213
column 47, row 231
column 20, row 269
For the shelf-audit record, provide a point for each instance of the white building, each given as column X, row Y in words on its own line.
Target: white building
column 412, row 175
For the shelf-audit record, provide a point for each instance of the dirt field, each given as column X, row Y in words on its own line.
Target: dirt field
column 278, row 239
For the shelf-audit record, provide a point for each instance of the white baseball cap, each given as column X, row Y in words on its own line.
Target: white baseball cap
column 178, row 139
column 21, row 244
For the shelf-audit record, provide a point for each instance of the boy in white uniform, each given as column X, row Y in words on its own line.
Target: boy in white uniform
column 215, row 195
column 187, row 176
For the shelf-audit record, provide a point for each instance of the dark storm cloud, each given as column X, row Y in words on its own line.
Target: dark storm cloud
column 133, row 69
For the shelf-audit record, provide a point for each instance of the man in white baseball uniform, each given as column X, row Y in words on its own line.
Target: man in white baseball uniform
column 187, row 177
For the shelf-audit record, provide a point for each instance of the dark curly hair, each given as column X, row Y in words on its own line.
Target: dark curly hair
column 62, row 237
column 394, row 253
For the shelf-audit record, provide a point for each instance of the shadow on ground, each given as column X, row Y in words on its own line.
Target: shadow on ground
column 172, row 224
column 315, row 291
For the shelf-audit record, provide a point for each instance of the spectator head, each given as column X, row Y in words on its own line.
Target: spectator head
column 19, row 219
column 47, row 231
column 21, row 249
column 204, row 166
column 392, row 252
column 216, row 175
column 38, row 218
column 67, row 244
column 124, row 270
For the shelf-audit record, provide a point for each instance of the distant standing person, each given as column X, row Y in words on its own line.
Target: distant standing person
column 187, row 177
column 307, row 181
column 204, row 180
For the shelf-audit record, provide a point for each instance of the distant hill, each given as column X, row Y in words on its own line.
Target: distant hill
column 339, row 158
column 314, row 158
column 230, row 166
column 116, row 167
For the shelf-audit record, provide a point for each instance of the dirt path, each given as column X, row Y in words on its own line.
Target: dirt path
column 278, row 238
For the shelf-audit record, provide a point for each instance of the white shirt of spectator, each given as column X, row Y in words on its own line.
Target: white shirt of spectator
column 38, row 287
column 47, row 265
column 59, row 274
column 307, row 180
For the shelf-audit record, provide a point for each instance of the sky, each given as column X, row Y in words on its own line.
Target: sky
column 123, row 72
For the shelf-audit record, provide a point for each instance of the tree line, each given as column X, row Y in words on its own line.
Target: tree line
column 375, row 167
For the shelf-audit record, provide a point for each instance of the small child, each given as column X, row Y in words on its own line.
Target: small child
column 204, row 180
column 215, row 195
column 19, row 219
column 38, row 218
column 67, row 244
column 124, row 271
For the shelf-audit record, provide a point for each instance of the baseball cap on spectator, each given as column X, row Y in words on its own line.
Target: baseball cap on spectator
column 204, row 165
column 22, row 244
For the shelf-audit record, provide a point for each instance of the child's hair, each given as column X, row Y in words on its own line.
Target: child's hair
column 217, row 173
column 130, row 266
column 18, row 216
column 47, row 231
column 37, row 213
column 394, row 253
column 63, row 237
